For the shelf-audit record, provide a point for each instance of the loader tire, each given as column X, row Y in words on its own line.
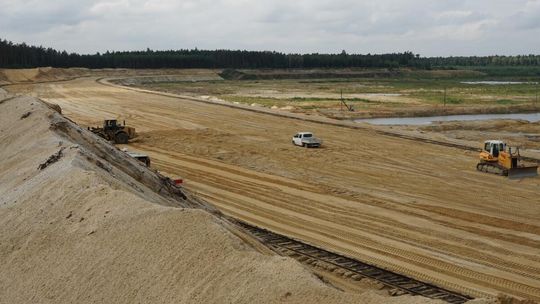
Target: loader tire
column 121, row 138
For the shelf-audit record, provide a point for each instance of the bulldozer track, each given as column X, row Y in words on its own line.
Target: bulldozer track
column 356, row 269
column 402, row 255
column 491, row 168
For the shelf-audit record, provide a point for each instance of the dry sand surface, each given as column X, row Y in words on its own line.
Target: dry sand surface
column 418, row 209
column 380, row 97
column 90, row 228
column 37, row 75
column 519, row 133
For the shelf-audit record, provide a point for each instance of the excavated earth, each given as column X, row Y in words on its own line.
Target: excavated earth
column 415, row 208
column 82, row 222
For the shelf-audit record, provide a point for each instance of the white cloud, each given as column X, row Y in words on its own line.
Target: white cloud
column 443, row 27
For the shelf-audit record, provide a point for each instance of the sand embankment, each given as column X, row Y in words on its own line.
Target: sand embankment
column 39, row 74
column 81, row 222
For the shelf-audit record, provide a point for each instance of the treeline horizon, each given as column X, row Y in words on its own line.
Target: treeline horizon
column 21, row 55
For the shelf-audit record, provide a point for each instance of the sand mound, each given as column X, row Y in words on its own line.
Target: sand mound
column 82, row 222
column 40, row 74
column 20, row 75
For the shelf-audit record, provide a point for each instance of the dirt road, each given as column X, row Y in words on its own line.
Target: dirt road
column 418, row 209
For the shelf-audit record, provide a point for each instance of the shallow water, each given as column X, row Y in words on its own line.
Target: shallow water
column 532, row 117
column 497, row 82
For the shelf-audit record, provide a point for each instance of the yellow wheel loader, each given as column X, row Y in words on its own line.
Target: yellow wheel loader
column 114, row 131
column 499, row 159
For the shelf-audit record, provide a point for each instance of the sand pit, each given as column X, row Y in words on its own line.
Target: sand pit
column 48, row 74
column 427, row 213
column 89, row 227
column 22, row 75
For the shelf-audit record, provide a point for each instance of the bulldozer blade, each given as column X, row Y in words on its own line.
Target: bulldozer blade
column 515, row 173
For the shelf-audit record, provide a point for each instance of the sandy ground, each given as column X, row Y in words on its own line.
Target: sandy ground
column 418, row 209
column 91, row 229
column 48, row 74
column 379, row 97
column 518, row 133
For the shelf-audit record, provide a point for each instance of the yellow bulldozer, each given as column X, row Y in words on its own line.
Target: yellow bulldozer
column 499, row 159
column 112, row 130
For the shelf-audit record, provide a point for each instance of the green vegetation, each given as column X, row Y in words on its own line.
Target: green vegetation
column 452, row 100
column 363, row 93
column 21, row 55
column 25, row 56
column 503, row 72
column 505, row 101
column 476, row 61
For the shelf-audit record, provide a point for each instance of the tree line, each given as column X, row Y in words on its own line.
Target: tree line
column 21, row 55
column 520, row 60
column 14, row 55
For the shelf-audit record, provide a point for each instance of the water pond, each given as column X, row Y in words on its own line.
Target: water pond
column 532, row 117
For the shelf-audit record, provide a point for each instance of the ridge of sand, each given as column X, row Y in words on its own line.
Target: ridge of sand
column 49, row 74
column 43, row 74
column 93, row 227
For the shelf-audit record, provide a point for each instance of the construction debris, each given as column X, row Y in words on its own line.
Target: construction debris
column 25, row 115
column 52, row 159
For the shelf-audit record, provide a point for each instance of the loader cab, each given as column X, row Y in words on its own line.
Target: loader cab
column 111, row 124
column 494, row 147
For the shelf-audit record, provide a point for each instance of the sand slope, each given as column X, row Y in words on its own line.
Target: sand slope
column 419, row 209
column 85, row 230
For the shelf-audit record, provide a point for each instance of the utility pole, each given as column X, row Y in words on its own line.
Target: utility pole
column 341, row 103
column 290, row 59
column 444, row 100
column 536, row 100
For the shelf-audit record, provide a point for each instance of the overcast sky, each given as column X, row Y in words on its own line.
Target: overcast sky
column 427, row 27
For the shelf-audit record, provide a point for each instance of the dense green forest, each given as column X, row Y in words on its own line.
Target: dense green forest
column 521, row 60
column 25, row 56
column 13, row 55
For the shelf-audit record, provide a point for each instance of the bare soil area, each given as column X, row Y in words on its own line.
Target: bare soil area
column 82, row 222
column 415, row 208
column 517, row 133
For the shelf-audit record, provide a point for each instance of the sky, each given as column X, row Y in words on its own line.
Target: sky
column 425, row 27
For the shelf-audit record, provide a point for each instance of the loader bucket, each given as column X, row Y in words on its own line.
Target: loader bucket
column 521, row 172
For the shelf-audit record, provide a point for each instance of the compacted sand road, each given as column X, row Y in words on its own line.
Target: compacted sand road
column 415, row 208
